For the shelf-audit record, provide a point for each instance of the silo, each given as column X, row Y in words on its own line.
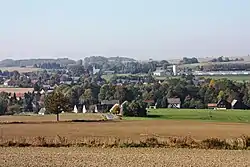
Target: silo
column 174, row 70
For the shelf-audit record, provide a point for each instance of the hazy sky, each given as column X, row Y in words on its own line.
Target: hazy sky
column 142, row 29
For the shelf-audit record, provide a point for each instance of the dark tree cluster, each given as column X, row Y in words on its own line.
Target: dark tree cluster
column 227, row 67
column 225, row 59
column 186, row 60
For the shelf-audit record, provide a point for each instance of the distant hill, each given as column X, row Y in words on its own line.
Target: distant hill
column 208, row 59
column 32, row 62
column 101, row 59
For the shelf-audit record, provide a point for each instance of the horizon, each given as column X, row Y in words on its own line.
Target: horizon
column 173, row 59
column 143, row 30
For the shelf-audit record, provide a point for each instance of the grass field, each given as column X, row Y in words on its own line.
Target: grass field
column 212, row 63
column 239, row 78
column 19, row 69
column 135, row 157
column 197, row 114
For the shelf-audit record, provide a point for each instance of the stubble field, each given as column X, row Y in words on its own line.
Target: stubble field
column 20, row 69
column 42, row 129
column 125, row 157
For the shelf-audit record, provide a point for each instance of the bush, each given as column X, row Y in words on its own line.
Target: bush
column 13, row 109
column 136, row 109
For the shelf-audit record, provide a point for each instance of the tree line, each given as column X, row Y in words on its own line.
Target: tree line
column 193, row 93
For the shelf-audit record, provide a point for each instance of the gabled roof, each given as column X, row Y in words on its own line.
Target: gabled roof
column 174, row 100
column 234, row 102
column 110, row 102
column 8, row 80
column 46, row 86
column 222, row 101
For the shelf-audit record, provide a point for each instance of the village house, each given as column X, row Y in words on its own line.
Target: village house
column 223, row 104
column 106, row 105
column 238, row 104
column 9, row 82
column 159, row 73
column 174, row 102
column 34, row 81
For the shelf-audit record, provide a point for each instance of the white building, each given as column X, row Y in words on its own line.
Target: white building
column 6, row 83
column 95, row 71
column 159, row 73
column 174, row 70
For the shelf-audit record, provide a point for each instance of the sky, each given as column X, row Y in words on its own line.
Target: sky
column 140, row 29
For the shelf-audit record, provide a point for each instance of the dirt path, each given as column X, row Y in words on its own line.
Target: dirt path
column 65, row 157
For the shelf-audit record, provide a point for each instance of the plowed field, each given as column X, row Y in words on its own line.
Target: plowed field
column 127, row 129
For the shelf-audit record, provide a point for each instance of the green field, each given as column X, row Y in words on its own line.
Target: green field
column 231, row 77
column 197, row 114
column 108, row 77
column 239, row 78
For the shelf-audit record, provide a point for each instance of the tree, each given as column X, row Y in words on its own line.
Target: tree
column 77, row 70
column 136, row 109
column 37, row 87
column 28, row 98
column 212, row 83
column 221, row 95
column 220, row 59
column 197, row 104
column 13, row 109
column 56, row 103
column 3, row 105
column 164, row 103
column 210, row 96
column 88, row 97
column 189, row 60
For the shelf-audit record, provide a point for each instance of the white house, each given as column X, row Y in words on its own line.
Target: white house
column 95, row 71
column 42, row 111
column 159, row 73
column 6, row 83
column 75, row 109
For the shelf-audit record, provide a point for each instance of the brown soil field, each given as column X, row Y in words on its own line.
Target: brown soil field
column 16, row 90
column 20, row 69
column 108, row 157
column 127, row 129
column 49, row 118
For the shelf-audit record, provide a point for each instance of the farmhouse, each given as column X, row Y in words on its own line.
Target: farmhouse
column 159, row 73
column 223, row 104
column 105, row 105
column 9, row 83
column 174, row 103
column 34, row 81
column 238, row 104
column 42, row 111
